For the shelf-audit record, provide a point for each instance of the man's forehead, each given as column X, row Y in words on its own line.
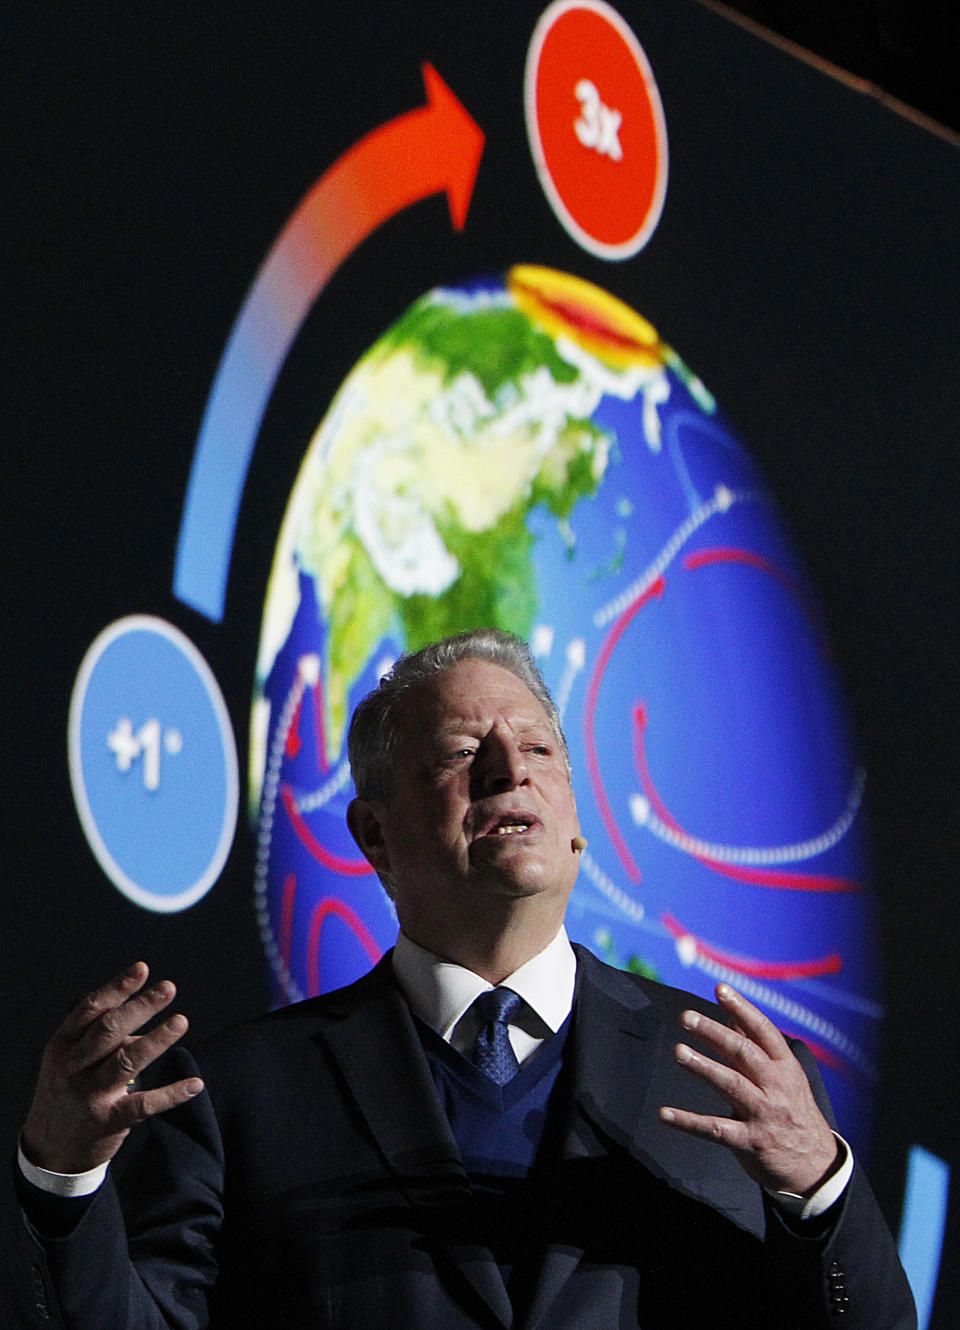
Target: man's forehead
column 469, row 692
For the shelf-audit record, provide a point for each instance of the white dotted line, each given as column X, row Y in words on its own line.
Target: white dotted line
column 633, row 910
column 644, row 816
column 576, row 655
column 309, row 803
column 722, row 501
column 268, row 803
column 789, row 1009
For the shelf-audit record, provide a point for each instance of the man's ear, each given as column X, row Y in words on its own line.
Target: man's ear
column 364, row 823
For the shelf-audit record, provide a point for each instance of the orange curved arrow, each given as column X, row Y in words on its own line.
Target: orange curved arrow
column 435, row 148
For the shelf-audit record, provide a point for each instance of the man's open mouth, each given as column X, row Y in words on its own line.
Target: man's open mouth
column 511, row 824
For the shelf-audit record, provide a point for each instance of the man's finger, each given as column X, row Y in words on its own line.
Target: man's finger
column 751, row 1021
column 738, row 1046
column 735, row 1046
column 111, row 994
column 726, row 1131
column 114, row 1026
column 740, row 1091
column 125, row 1064
column 144, row 1104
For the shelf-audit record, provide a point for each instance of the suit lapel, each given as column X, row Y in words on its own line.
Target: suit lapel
column 618, row 1036
column 370, row 1033
column 615, row 1037
column 623, row 1071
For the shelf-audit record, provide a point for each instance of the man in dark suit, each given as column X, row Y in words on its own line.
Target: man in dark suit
column 489, row 1130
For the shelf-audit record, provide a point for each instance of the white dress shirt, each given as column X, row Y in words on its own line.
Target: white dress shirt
column 442, row 993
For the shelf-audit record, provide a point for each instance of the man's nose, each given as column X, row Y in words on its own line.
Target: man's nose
column 503, row 764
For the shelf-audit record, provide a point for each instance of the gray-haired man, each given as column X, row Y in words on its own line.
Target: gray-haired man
column 420, row 1149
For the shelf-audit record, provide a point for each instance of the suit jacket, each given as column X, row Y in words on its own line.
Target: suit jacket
column 317, row 1184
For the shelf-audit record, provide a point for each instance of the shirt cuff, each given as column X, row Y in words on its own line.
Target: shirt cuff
column 62, row 1184
column 827, row 1194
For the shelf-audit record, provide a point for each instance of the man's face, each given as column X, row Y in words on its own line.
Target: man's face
column 481, row 814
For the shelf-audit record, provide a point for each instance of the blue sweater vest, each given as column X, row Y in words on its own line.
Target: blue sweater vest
column 505, row 1140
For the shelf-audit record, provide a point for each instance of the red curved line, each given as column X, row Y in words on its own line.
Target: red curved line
column 639, row 717
column 821, row 1053
column 758, row 877
column 734, row 554
column 286, row 917
column 335, row 862
column 774, row 878
column 750, row 966
column 331, row 905
column 589, row 731
column 294, row 743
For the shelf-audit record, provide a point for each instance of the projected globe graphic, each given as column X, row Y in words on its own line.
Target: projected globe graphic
column 527, row 453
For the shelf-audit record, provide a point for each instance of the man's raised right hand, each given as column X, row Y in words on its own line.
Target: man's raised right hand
column 85, row 1101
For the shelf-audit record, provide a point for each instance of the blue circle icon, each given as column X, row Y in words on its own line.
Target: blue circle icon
column 153, row 763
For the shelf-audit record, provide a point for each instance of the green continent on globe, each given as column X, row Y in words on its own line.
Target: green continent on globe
column 410, row 510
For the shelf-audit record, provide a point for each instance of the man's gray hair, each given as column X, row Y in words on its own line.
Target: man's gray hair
column 375, row 728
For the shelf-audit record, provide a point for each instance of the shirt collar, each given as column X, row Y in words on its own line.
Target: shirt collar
column 439, row 991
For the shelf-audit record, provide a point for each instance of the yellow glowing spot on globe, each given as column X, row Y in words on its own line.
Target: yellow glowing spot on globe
column 568, row 306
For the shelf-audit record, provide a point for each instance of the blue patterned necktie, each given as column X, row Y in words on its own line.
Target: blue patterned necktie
column 492, row 1051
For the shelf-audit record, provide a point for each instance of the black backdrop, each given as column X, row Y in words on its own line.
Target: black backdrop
column 804, row 266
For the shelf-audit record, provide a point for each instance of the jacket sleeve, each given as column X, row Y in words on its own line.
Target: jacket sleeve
column 841, row 1270
column 154, row 1273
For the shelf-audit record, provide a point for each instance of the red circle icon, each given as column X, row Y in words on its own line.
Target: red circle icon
column 596, row 127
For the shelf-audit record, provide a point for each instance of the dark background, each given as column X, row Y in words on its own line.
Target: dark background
column 804, row 267
column 906, row 50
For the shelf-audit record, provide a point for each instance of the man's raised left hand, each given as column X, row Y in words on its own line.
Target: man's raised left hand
column 776, row 1129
